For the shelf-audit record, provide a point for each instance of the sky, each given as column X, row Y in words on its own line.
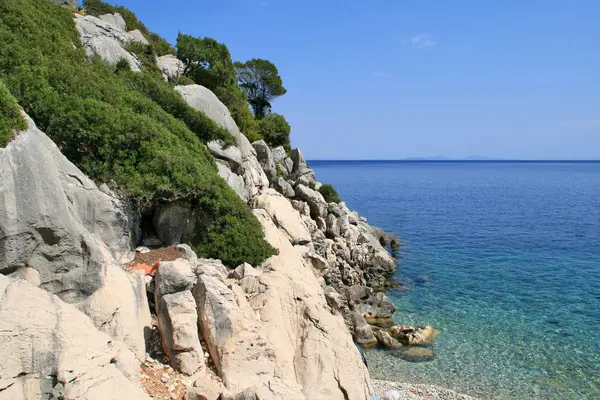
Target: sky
column 390, row 79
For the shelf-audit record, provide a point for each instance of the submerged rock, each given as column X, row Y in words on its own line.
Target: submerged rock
column 415, row 354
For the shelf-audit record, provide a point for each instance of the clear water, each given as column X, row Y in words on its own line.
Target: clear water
column 503, row 258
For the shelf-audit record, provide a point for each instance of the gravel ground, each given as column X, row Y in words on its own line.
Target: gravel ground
column 416, row 392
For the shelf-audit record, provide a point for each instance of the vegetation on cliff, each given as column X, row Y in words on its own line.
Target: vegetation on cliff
column 127, row 127
column 10, row 117
column 329, row 193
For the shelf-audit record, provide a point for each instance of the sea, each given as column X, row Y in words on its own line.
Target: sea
column 502, row 257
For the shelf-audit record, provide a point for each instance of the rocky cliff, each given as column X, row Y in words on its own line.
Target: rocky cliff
column 75, row 322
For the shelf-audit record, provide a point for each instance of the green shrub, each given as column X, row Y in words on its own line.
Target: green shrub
column 122, row 65
column 329, row 193
column 145, row 54
column 98, row 7
column 184, row 80
column 275, row 130
column 128, row 127
column 10, row 117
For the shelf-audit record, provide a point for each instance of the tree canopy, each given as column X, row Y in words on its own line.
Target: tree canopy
column 261, row 82
column 206, row 61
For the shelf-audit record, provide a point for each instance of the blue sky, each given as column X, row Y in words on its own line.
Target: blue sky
column 388, row 79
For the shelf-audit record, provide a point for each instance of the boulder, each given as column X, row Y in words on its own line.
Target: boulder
column 236, row 341
column 173, row 276
column 231, row 154
column 302, row 208
column 265, row 158
column 244, row 270
column 105, row 40
column 170, row 66
column 363, row 334
column 137, row 36
column 210, row 267
column 55, row 220
column 408, row 335
column 283, row 214
column 235, row 181
column 50, row 347
column 415, row 354
column 385, row 339
column 377, row 309
column 187, row 253
column 27, row 274
column 283, row 187
column 314, row 348
column 333, row 226
column 341, row 216
column 299, row 162
column 315, row 200
column 114, row 19
column 178, row 324
column 279, row 154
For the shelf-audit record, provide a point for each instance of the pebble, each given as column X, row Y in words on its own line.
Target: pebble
column 164, row 378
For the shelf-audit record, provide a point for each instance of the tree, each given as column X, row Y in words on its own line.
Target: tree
column 261, row 82
column 206, row 61
column 275, row 130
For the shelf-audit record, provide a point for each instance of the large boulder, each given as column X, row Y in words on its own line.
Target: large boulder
column 55, row 220
column 235, row 338
column 235, row 181
column 114, row 19
column 51, row 350
column 315, row 200
column 314, row 347
column 106, row 40
column 178, row 324
column 283, row 214
column 170, row 66
column 265, row 158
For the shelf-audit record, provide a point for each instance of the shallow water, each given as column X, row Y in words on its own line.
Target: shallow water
column 503, row 258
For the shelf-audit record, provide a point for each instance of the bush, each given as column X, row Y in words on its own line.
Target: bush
column 275, row 130
column 329, row 193
column 122, row 65
column 10, row 117
column 128, row 127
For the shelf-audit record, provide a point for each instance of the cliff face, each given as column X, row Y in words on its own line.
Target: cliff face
column 279, row 330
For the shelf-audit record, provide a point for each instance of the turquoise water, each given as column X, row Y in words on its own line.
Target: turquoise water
column 502, row 258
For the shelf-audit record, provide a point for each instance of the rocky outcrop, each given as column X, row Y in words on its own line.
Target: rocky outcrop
column 283, row 214
column 171, row 67
column 235, row 338
column 312, row 345
column 51, row 350
column 108, row 39
column 114, row 19
column 241, row 158
column 54, row 220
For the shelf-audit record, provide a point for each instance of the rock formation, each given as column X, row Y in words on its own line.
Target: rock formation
column 283, row 329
